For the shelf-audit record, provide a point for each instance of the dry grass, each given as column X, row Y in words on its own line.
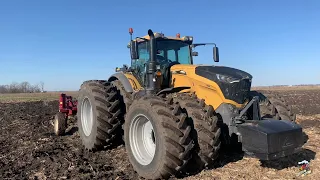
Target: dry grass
column 23, row 97
column 285, row 168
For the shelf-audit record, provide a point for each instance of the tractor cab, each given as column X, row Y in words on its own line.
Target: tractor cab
column 168, row 52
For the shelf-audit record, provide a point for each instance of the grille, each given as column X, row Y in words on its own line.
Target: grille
column 238, row 92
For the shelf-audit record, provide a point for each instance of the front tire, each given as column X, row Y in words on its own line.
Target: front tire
column 274, row 106
column 207, row 132
column 158, row 137
column 98, row 114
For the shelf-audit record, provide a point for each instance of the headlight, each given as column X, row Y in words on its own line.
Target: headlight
column 227, row 79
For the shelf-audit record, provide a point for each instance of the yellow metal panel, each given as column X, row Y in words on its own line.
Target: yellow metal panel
column 203, row 88
column 133, row 81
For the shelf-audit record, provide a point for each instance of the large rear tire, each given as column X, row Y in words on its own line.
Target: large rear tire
column 207, row 133
column 158, row 137
column 98, row 114
column 274, row 106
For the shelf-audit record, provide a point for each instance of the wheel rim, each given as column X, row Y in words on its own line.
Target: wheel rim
column 142, row 139
column 86, row 116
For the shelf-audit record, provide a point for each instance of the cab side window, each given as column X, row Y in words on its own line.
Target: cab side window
column 172, row 55
column 143, row 58
column 143, row 55
column 183, row 55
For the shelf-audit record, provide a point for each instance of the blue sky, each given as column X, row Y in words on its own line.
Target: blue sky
column 64, row 43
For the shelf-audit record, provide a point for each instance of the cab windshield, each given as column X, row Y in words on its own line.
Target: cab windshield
column 167, row 51
column 173, row 51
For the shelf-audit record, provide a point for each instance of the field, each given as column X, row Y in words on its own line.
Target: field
column 27, row 97
column 30, row 150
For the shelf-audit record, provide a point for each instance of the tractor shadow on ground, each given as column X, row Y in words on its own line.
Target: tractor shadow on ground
column 229, row 154
column 233, row 154
column 226, row 155
column 290, row 161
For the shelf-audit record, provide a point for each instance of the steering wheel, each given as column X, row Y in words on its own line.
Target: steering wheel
column 161, row 60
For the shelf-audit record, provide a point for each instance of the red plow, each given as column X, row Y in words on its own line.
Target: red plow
column 67, row 108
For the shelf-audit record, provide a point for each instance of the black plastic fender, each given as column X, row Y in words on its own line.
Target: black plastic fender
column 172, row 90
column 123, row 79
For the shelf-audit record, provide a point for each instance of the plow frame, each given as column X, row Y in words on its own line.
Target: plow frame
column 67, row 105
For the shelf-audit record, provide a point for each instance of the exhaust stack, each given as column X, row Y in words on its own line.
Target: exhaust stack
column 151, row 65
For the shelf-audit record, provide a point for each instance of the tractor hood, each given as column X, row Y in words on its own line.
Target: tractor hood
column 235, row 84
column 210, row 72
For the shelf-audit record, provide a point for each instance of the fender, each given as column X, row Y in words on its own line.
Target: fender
column 123, row 79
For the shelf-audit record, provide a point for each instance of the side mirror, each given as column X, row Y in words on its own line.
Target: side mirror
column 134, row 50
column 194, row 53
column 215, row 54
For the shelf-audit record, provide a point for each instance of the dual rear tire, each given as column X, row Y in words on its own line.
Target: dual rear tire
column 158, row 137
column 273, row 106
column 157, row 133
column 99, row 114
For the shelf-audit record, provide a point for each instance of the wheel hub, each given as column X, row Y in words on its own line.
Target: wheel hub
column 142, row 139
column 86, row 116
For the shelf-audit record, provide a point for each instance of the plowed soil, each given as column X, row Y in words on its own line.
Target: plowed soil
column 30, row 150
column 304, row 102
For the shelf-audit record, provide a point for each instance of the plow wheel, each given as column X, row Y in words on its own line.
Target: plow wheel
column 158, row 137
column 60, row 124
column 98, row 114
column 207, row 133
column 275, row 107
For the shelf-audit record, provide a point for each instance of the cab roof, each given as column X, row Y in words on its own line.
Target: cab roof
column 158, row 36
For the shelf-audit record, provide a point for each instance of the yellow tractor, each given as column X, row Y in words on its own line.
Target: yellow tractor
column 169, row 111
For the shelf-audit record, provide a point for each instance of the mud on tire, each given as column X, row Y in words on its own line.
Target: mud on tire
column 207, row 133
column 105, row 113
column 172, row 137
column 274, row 106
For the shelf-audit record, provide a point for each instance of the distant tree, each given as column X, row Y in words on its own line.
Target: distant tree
column 23, row 87
column 42, row 86
column 14, row 88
